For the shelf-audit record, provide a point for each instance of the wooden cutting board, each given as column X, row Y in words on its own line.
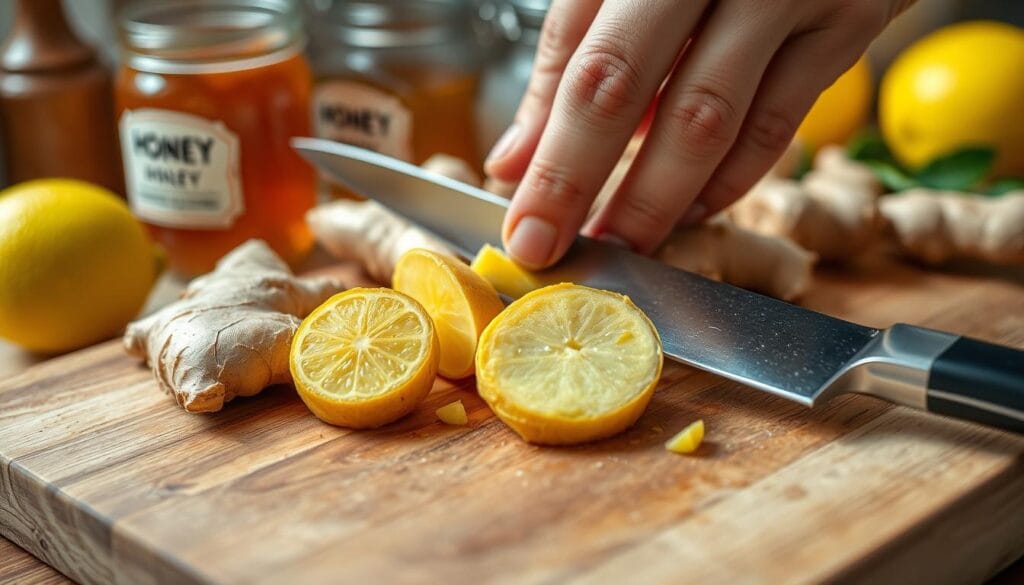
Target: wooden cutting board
column 106, row 479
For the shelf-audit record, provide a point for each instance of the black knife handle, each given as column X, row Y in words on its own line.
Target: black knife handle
column 980, row 382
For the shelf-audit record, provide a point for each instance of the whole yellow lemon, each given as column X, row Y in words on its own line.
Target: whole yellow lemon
column 841, row 110
column 960, row 86
column 75, row 266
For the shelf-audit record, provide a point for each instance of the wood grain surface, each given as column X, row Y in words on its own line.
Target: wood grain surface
column 103, row 477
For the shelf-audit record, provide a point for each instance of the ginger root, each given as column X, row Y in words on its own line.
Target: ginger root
column 452, row 167
column 723, row 251
column 831, row 212
column 367, row 233
column 936, row 226
column 230, row 333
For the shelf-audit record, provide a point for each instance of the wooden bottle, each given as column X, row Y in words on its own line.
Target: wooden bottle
column 56, row 102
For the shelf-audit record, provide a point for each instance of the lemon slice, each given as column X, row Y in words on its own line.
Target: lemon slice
column 506, row 276
column 568, row 364
column 364, row 358
column 460, row 302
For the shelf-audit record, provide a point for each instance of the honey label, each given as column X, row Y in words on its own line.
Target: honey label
column 363, row 116
column 181, row 171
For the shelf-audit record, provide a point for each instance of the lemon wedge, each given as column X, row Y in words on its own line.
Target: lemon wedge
column 568, row 364
column 687, row 440
column 364, row 358
column 453, row 413
column 459, row 301
column 506, row 276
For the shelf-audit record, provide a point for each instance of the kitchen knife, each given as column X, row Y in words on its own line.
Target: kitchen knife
column 762, row 342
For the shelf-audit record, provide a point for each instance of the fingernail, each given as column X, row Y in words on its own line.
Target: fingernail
column 693, row 215
column 615, row 240
column 532, row 242
column 505, row 143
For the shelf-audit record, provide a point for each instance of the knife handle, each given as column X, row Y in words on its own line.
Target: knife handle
column 980, row 382
column 942, row 373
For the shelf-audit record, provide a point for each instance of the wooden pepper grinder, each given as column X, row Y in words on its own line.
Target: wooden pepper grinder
column 56, row 102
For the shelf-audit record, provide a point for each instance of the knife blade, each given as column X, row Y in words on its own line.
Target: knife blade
column 759, row 341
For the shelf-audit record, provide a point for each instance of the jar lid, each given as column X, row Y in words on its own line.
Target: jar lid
column 160, row 36
column 540, row 7
column 391, row 23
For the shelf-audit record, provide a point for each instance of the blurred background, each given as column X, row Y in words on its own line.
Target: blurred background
column 499, row 55
column 116, row 92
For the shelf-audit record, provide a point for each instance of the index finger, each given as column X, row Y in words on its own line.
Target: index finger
column 613, row 75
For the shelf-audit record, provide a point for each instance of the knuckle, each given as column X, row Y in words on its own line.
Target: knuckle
column 606, row 84
column 770, row 129
column 702, row 121
column 554, row 185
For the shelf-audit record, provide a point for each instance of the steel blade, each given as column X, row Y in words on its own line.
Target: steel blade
column 760, row 341
column 462, row 215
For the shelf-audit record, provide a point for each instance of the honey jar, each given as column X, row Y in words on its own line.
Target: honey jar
column 208, row 95
column 396, row 76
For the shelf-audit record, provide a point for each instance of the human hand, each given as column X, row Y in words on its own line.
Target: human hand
column 733, row 79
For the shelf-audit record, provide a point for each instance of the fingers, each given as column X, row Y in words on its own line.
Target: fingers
column 564, row 26
column 699, row 115
column 827, row 43
column 801, row 70
column 608, row 82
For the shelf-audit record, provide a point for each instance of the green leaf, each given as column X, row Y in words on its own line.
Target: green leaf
column 959, row 170
column 1005, row 185
column 892, row 176
column 869, row 146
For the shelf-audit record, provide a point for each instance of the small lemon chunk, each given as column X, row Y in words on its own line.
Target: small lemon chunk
column 453, row 413
column 505, row 275
column 687, row 440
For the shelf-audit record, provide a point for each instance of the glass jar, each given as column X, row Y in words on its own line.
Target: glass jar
column 208, row 95
column 518, row 23
column 396, row 76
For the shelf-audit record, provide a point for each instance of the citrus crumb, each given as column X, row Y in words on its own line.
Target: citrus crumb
column 688, row 439
column 453, row 413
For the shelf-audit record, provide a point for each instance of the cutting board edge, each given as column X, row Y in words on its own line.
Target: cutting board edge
column 56, row 528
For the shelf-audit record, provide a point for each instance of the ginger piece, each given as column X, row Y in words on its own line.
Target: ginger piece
column 501, row 188
column 367, row 233
column 373, row 236
column 723, row 251
column 452, row 167
column 831, row 212
column 229, row 334
column 936, row 226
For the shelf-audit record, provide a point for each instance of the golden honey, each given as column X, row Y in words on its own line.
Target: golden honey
column 207, row 99
column 396, row 77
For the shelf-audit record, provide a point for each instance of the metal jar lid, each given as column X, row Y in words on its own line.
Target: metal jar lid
column 192, row 35
column 390, row 23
